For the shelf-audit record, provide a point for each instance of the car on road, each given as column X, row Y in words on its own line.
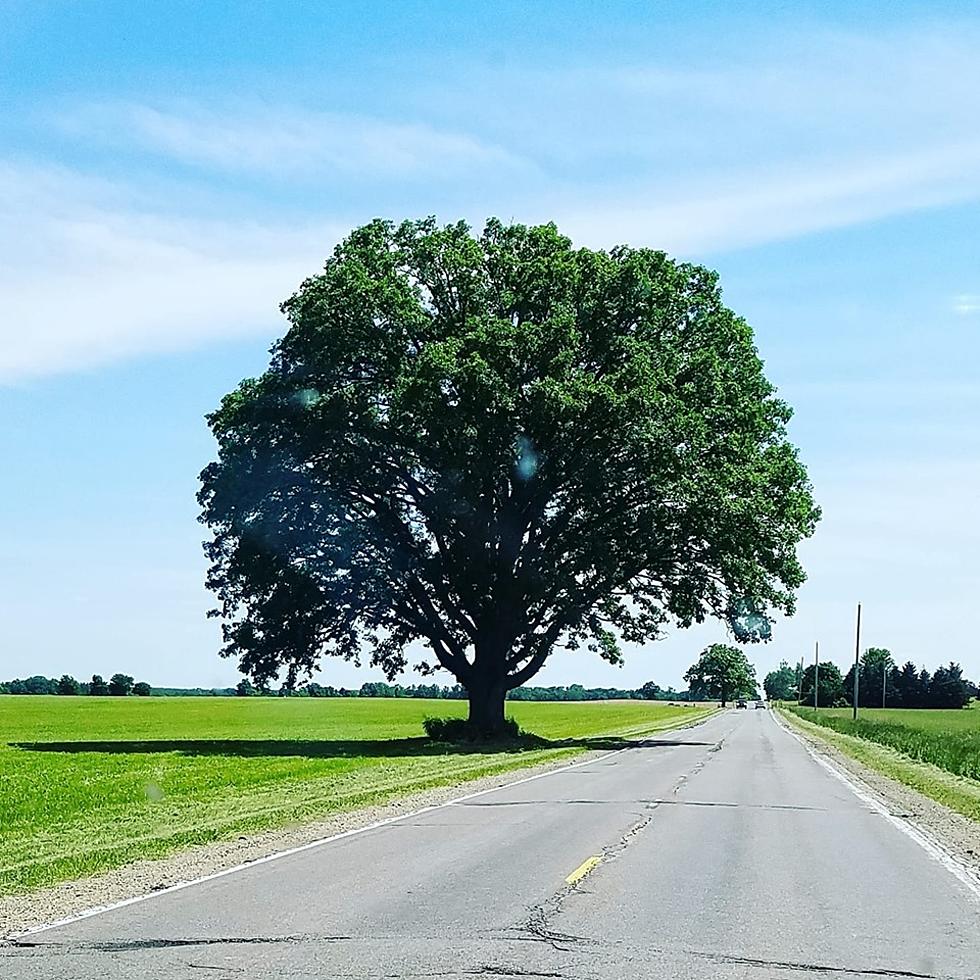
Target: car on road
column 740, row 703
column 760, row 704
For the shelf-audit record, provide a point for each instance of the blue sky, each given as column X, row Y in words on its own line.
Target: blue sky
column 170, row 172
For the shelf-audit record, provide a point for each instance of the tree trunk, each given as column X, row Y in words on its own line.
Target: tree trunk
column 487, row 708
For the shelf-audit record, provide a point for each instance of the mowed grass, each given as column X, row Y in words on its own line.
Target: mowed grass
column 88, row 784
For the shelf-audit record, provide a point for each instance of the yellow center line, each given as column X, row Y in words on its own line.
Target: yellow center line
column 583, row 869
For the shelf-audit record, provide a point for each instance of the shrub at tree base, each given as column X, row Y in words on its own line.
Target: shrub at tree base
column 454, row 730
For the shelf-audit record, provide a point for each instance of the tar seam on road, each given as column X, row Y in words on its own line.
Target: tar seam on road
column 931, row 845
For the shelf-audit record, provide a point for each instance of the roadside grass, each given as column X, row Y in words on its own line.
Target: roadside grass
column 877, row 745
column 88, row 784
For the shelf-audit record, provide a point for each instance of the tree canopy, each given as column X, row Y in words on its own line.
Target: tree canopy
column 781, row 684
column 120, row 685
column 721, row 673
column 830, row 686
column 499, row 445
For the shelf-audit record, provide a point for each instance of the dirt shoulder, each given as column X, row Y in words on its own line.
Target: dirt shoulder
column 864, row 761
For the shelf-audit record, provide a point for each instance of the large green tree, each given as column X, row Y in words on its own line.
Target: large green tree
column 721, row 673
column 499, row 445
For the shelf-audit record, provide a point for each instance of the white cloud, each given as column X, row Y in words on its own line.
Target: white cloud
column 284, row 140
column 966, row 304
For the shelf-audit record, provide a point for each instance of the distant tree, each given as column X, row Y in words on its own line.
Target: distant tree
column 499, row 445
column 376, row 689
column 876, row 665
column 120, row 685
column 907, row 688
column 41, row 685
column 830, row 686
column 781, row 684
column 97, row 686
column 142, row 690
column 925, row 683
column 245, row 688
column 650, row 691
column 948, row 689
column 721, row 673
column 68, row 685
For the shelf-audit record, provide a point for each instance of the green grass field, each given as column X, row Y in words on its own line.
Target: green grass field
column 934, row 752
column 87, row 784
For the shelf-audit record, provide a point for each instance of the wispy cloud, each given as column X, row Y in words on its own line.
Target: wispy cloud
column 86, row 279
column 967, row 304
column 286, row 140
column 732, row 212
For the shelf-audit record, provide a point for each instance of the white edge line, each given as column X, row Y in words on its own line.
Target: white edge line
column 930, row 844
column 234, row 869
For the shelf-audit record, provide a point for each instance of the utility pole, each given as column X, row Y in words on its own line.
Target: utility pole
column 884, row 679
column 816, row 674
column 857, row 654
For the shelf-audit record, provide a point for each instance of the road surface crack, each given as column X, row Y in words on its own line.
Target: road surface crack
column 739, row 806
column 808, row 967
column 540, row 915
column 509, row 971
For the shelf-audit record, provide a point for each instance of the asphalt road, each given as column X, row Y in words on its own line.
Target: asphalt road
column 722, row 851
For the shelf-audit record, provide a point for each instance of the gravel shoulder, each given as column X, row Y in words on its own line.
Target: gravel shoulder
column 958, row 834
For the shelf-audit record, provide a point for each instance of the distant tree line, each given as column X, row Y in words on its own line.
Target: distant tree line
column 379, row 689
column 193, row 692
column 119, row 685
column 575, row 692
column 881, row 683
